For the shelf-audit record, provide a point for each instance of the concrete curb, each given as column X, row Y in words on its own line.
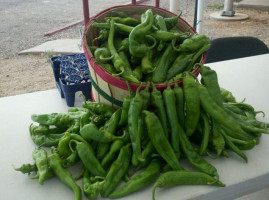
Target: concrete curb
column 256, row 5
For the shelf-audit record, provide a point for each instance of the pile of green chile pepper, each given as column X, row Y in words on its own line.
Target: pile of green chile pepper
column 148, row 49
column 123, row 150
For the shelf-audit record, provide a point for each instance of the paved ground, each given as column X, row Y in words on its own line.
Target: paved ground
column 24, row 22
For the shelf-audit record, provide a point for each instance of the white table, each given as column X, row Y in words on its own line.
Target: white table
column 247, row 77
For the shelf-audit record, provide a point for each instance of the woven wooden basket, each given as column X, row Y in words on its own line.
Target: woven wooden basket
column 105, row 87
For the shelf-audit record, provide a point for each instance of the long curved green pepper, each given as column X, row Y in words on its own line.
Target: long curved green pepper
column 147, row 153
column 98, row 108
column 197, row 54
column 140, row 181
column 134, row 114
column 117, row 171
column 172, row 21
column 64, row 175
column 233, row 147
column 180, row 104
column 71, row 160
column 191, row 94
column 45, row 129
column 193, row 43
column 114, row 148
column 159, row 140
column 118, row 63
column 227, row 96
column 88, row 158
column 125, row 20
column 160, row 23
column 245, row 125
column 158, row 103
column 138, row 72
column 90, row 132
column 44, row 140
column 138, row 34
column 128, row 73
column 27, row 168
column 160, row 73
column 90, row 189
column 57, row 119
column 103, row 35
column 146, row 63
column 102, row 55
column 170, row 105
column 41, row 160
column 210, row 80
column 125, row 107
column 194, row 158
column 124, row 45
column 179, row 65
column 63, row 145
column 172, row 178
column 206, row 133
column 217, row 112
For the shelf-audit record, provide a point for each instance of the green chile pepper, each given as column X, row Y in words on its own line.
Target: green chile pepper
column 128, row 73
column 192, row 44
column 57, row 119
column 102, row 55
column 27, row 168
column 90, row 189
column 158, row 103
column 160, row 142
column 117, row 171
column 172, row 21
column 180, row 103
column 88, row 158
column 146, row 64
column 125, row 107
column 170, row 105
column 138, row 34
column 191, row 94
column 134, row 114
column 44, row 140
column 41, row 161
column 179, row 65
column 98, row 108
column 90, row 132
column 124, row 20
column 63, row 145
column 64, row 175
column 103, row 35
column 172, row 178
column 140, row 181
column 160, row 73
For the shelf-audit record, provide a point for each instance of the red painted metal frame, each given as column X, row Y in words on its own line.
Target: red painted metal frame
column 87, row 17
column 86, row 12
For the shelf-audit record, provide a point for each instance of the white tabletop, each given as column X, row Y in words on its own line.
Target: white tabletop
column 246, row 78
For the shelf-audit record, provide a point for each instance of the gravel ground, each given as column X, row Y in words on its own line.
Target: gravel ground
column 24, row 23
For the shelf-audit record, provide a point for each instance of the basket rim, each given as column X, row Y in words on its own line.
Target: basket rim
column 119, row 81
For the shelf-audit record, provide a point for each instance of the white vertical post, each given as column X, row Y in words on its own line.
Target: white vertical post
column 174, row 6
column 228, row 8
column 200, row 13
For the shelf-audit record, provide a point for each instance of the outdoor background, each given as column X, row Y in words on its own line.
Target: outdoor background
column 24, row 23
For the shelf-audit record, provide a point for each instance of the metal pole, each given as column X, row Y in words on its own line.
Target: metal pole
column 86, row 11
column 174, row 6
column 157, row 3
column 200, row 13
column 195, row 15
column 228, row 9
